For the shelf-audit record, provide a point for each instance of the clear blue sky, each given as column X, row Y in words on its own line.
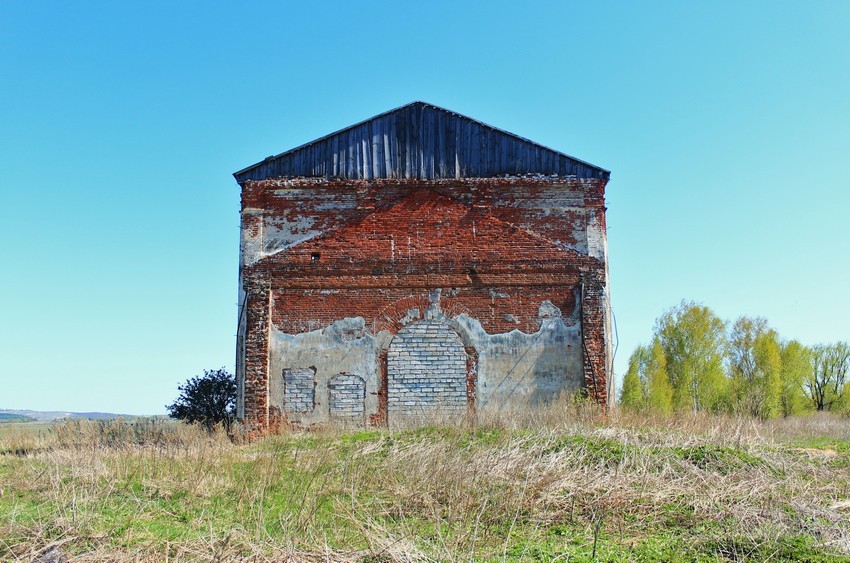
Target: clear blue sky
column 726, row 126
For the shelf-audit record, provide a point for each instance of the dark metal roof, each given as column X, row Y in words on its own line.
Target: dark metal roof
column 421, row 141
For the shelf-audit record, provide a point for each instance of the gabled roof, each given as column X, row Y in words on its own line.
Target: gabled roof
column 420, row 141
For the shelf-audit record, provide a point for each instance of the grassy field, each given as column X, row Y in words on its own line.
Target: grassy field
column 564, row 486
column 17, row 429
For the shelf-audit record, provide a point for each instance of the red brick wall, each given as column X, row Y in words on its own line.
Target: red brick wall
column 493, row 248
column 258, row 301
column 522, row 202
column 301, row 310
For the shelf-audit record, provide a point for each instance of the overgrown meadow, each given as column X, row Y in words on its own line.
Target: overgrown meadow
column 565, row 484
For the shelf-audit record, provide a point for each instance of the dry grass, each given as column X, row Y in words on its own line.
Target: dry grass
column 558, row 484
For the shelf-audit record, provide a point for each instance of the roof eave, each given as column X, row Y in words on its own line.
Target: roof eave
column 603, row 171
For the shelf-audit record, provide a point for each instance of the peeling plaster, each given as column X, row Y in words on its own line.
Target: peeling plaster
column 279, row 214
column 597, row 240
column 343, row 347
column 532, row 367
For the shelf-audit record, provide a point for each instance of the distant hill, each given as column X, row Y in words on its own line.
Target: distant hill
column 6, row 415
column 11, row 417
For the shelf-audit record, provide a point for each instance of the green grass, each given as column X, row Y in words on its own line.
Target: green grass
column 578, row 491
column 721, row 459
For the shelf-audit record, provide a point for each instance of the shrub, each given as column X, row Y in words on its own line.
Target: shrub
column 208, row 399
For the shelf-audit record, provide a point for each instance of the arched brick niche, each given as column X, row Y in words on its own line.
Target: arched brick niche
column 426, row 372
column 400, row 322
column 414, row 308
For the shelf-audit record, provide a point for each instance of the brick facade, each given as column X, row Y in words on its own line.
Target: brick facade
column 375, row 299
column 426, row 371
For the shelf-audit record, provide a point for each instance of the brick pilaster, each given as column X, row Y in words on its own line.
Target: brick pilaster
column 258, row 309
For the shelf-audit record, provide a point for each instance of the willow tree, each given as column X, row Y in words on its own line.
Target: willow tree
column 768, row 376
column 633, row 394
column 830, row 364
column 796, row 367
column 694, row 341
column 659, row 392
column 742, row 337
column 646, row 386
column 755, row 363
column 745, row 396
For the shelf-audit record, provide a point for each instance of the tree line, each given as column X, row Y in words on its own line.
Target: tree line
column 698, row 362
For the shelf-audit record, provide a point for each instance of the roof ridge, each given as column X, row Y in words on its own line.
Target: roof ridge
column 272, row 163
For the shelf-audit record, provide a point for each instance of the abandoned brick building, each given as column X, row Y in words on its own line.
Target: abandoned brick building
column 419, row 263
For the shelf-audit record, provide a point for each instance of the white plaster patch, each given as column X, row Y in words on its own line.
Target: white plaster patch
column 530, row 367
column 597, row 241
column 410, row 316
column 547, row 310
column 342, row 347
column 273, row 235
column 251, row 243
column 278, row 237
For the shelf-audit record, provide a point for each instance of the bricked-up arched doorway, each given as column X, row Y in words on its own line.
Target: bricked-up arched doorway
column 426, row 372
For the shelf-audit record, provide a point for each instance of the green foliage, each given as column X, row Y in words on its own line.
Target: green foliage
column 694, row 342
column 593, row 449
column 692, row 364
column 827, row 379
column 659, row 391
column 768, row 356
column 755, row 364
column 738, row 547
column 646, row 385
column 841, row 405
column 795, row 359
column 742, row 338
column 720, row 459
column 208, row 400
column 632, row 396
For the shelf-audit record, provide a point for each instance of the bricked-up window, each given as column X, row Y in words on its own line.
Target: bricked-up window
column 426, row 371
column 346, row 394
column 299, row 390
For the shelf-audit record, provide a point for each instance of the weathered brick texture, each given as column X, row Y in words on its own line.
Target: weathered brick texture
column 347, row 393
column 299, row 393
column 256, row 387
column 465, row 289
column 426, row 370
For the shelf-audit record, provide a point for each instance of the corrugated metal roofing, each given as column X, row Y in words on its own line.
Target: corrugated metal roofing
column 421, row 141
